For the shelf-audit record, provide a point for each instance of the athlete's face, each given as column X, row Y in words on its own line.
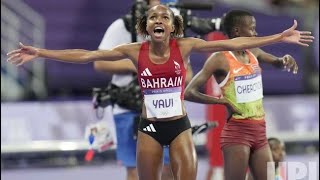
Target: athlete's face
column 247, row 27
column 160, row 23
column 278, row 152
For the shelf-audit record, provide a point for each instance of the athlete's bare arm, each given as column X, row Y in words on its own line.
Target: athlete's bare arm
column 240, row 43
column 192, row 93
column 287, row 61
column 124, row 66
column 80, row 56
column 288, row 36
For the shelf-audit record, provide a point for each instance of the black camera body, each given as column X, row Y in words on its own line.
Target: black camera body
column 102, row 97
column 128, row 97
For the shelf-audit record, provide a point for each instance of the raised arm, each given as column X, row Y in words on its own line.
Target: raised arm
column 288, row 36
column 80, row 56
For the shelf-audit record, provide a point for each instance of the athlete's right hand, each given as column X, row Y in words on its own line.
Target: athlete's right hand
column 22, row 55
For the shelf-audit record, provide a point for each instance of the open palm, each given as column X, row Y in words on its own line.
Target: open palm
column 22, row 55
column 294, row 36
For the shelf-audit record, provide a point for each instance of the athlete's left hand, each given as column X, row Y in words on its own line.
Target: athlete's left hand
column 289, row 64
column 294, row 36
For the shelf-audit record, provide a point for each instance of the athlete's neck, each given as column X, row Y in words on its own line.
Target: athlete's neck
column 240, row 53
column 160, row 48
column 242, row 56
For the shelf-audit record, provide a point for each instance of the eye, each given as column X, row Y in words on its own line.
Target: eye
column 166, row 18
column 152, row 17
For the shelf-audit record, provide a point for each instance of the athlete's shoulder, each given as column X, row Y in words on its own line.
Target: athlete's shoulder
column 217, row 56
column 190, row 40
column 130, row 46
column 217, row 60
column 186, row 44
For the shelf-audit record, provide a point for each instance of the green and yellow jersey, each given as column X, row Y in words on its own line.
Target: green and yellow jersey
column 243, row 87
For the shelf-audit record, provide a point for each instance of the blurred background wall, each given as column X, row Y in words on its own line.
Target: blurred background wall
column 46, row 103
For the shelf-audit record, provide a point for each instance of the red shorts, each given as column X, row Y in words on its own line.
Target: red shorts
column 251, row 133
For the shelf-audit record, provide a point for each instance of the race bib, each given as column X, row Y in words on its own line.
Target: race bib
column 248, row 88
column 163, row 103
